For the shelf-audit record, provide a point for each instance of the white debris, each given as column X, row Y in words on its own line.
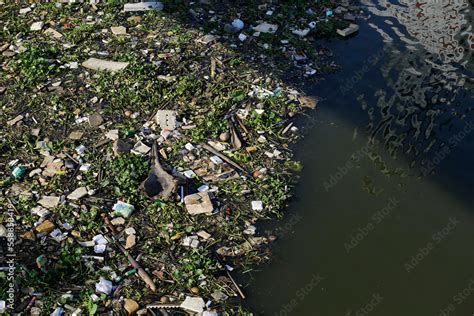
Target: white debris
column 166, row 119
column 189, row 174
column 80, row 149
column 37, row 26
column 203, row 234
column 266, row 28
column 257, row 205
column 301, row 33
column 118, row 30
column 85, row 167
column 250, row 230
column 203, row 188
column 351, row 29
column 41, row 212
column 130, row 231
column 142, row 6
column 112, row 134
column 58, row 235
column 25, row 10
column 123, row 209
column 193, row 304
column 107, row 65
column 58, row 311
column 100, row 239
column 140, row 149
column 77, row 193
column 242, row 37
column 191, row 241
column 216, row 160
column 100, row 248
column 104, row 286
column 238, row 24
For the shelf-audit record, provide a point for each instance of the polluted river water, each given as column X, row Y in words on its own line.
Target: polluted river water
column 382, row 222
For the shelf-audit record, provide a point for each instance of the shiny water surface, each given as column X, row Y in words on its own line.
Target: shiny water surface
column 383, row 218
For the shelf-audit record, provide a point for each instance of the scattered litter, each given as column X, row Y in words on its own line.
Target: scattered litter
column 209, row 134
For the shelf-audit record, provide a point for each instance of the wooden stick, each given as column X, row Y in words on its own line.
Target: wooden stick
column 141, row 272
column 224, row 157
column 236, row 286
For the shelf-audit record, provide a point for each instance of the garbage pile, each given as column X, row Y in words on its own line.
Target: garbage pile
column 140, row 145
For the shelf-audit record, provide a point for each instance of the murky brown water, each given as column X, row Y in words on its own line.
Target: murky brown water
column 383, row 219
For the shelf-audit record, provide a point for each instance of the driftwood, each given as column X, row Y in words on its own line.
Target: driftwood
column 232, row 163
column 159, row 183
